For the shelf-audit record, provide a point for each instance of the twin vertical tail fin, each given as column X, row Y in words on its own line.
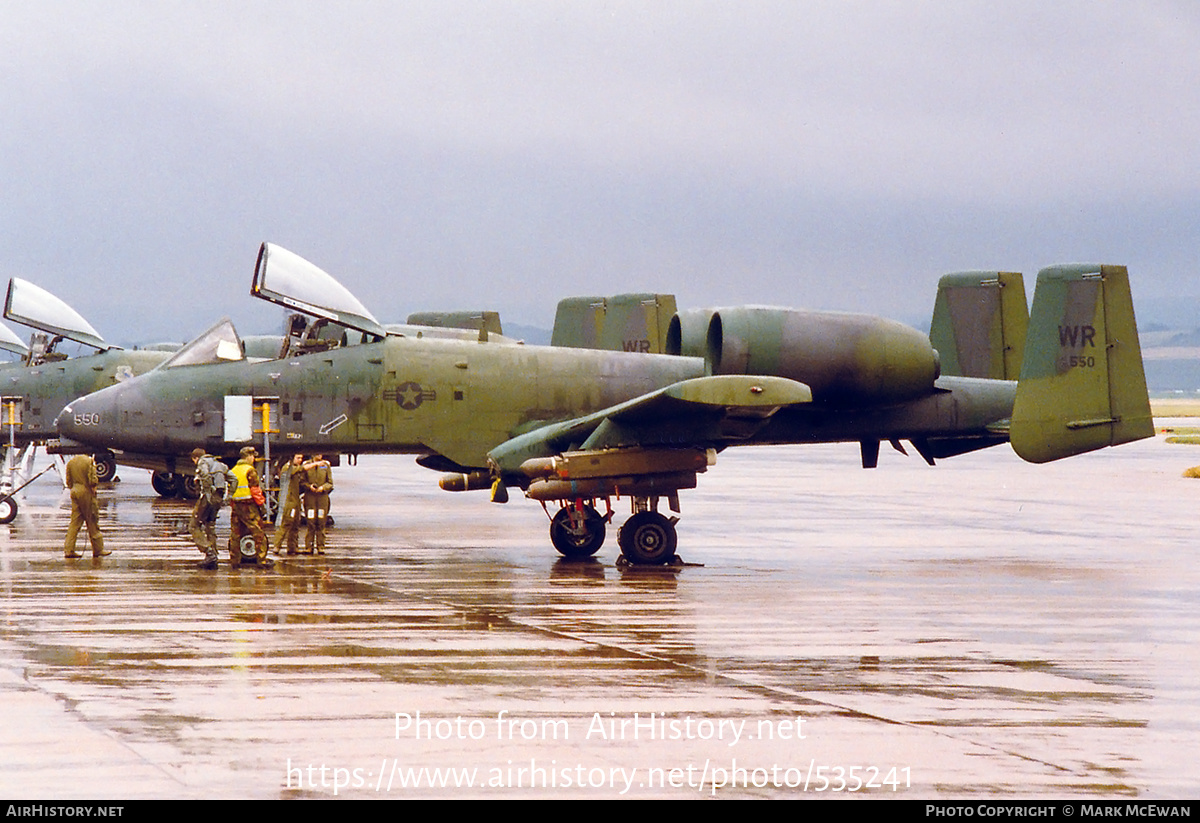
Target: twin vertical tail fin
column 979, row 324
column 622, row 322
column 1082, row 384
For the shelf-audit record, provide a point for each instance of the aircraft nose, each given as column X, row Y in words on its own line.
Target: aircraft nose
column 91, row 419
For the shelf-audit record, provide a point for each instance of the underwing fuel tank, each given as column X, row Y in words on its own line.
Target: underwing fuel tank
column 611, row 462
column 633, row 485
column 599, row 473
column 603, row 472
column 843, row 358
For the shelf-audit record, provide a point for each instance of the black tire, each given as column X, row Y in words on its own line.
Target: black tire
column 8, row 510
column 648, row 539
column 189, row 486
column 582, row 542
column 106, row 467
column 166, row 484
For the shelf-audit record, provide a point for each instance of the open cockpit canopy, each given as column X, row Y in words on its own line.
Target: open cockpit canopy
column 37, row 308
column 10, row 342
column 287, row 279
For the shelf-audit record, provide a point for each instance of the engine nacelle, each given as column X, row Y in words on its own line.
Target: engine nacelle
column 687, row 332
column 843, row 358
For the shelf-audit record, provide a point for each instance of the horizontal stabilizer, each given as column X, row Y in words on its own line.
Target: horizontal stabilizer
column 1083, row 385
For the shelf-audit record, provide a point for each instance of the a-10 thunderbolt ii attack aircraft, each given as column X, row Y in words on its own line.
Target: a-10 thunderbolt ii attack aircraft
column 34, row 390
column 581, row 427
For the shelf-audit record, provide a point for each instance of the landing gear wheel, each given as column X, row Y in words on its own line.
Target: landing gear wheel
column 648, row 539
column 582, row 540
column 248, row 549
column 189, row 487
column 106, row 467
column 166, row 484
column 8, row 510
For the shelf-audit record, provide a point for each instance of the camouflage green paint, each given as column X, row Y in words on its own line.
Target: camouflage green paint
column 771, row 376
column 623, row 322
column 844, row 358
column 980, row 320
column 46, row 388
column 488, row 321
column 1083, row 385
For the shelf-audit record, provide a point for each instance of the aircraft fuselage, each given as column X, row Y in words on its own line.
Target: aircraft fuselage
column 43, row 390
column 460, row 399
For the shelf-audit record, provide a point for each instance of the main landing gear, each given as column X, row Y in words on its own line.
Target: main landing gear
column 577, row 531
column 169, row 484
column 166, row 483
column 647, row 538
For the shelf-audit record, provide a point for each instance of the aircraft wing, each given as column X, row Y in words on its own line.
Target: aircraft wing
column 696, row 414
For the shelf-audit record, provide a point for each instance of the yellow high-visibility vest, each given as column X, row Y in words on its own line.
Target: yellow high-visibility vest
column 242, row 472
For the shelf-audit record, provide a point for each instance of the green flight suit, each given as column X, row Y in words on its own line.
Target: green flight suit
column 82, row 481
column 318, row 483
column 203, row 524
column 290, row 480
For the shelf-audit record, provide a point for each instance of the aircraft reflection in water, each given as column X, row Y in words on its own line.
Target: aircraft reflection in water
column 579, row 427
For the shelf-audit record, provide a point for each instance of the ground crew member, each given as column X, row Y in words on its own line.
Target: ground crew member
column 289, row 522
column 245, row 513
column 210, row 479
column 81, row 480
column 318, row 483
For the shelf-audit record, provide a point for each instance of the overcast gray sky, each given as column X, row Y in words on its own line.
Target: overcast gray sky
column 501, row 155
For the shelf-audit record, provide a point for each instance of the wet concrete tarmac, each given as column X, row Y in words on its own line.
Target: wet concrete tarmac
column 981, row 629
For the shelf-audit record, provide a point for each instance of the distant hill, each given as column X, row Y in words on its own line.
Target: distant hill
column 1186, row 338
column 1168, row 312
column 533, row 335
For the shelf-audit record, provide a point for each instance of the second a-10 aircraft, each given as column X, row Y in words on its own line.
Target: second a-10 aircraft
column 581, row 427
column 34, row 389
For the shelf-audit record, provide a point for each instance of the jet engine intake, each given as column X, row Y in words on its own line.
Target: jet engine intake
column 686, row 332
